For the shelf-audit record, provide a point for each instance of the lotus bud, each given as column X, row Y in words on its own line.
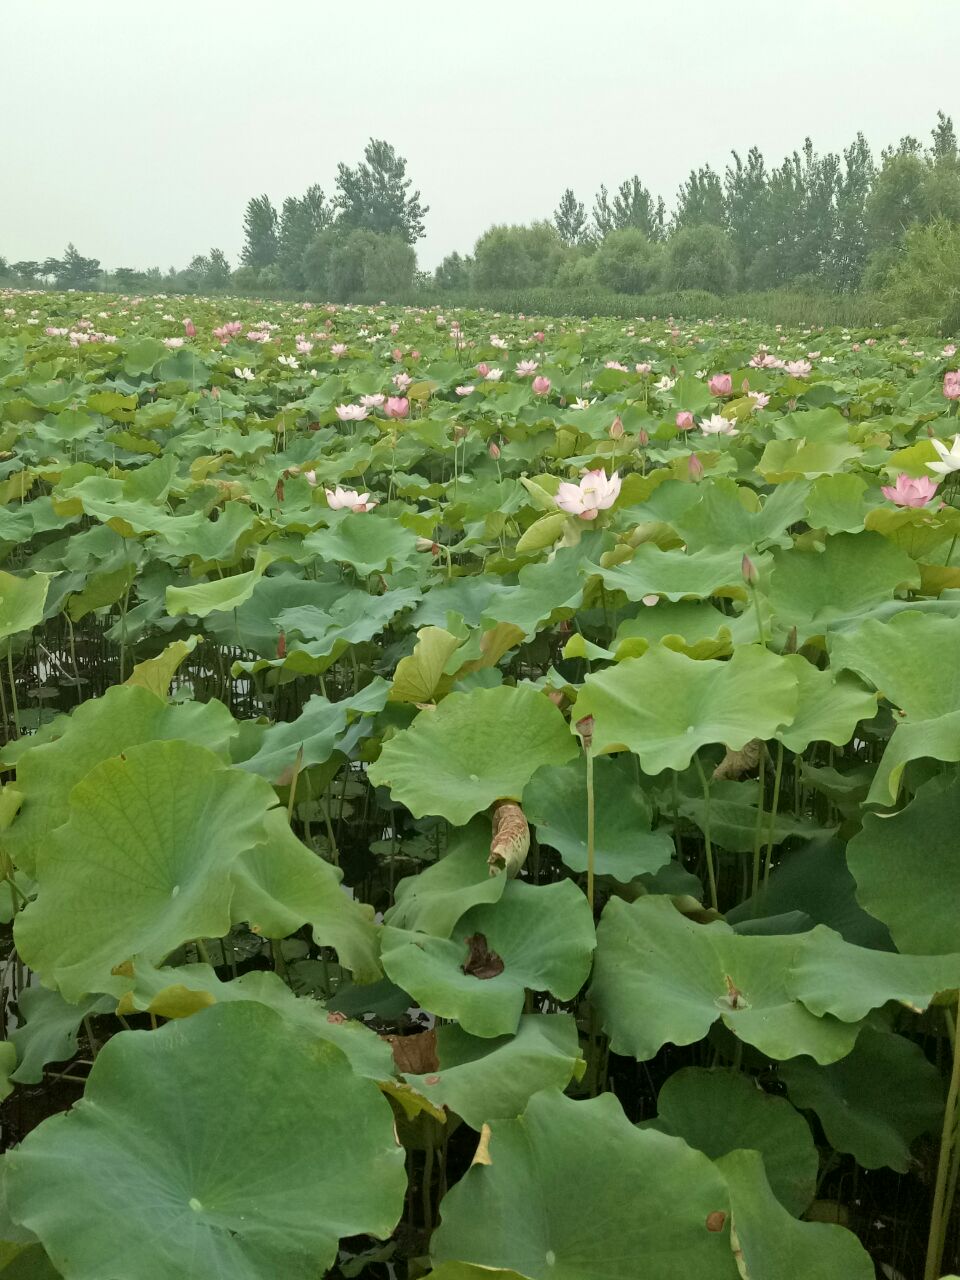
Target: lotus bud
column 493, row 449
column 684, row 420
column 584, row 728
column 282, row 645
column 616, row 428
column 642, row 438
column 749, row 571
column 694, row 467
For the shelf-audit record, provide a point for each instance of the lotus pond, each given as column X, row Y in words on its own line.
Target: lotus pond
column 480, row 796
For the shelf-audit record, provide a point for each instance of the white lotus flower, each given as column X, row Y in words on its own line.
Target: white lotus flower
column 949, row 458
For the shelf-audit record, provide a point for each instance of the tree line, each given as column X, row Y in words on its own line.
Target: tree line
column 827, row 222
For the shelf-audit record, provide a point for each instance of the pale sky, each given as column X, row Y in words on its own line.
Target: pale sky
column 139, row 129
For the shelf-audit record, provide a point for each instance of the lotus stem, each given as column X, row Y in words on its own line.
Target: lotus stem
column 13, row 688
column 774, row 805
column 940, row 1211
column 591, row 826
column 758, row 829
column 708, row 846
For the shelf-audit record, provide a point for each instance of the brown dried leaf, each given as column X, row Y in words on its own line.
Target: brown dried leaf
column 481, row 962
column 414, row 1055
column 735, row 764
column 482, row 1153
column 510, row 841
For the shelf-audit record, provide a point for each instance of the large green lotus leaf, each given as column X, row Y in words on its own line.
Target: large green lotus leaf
column 731, row 515
column 371, row 543
column 542, row 590
column 907, row 870
column 124, row 717
column 543, row 1203
column 433, row 901
column 913, row 660
column 214, row 540
column 222, row 595
column 419, row 677
column 870, row 978
column 26, row 1262
column 254, row 624
column 830, row 706
column 483, row 1080
column 227, row 1144
column 280, row 885
column 555, row 802
column 875, row 1101
column 191, row 988
column 721, row 1111
column 142, row 865
column 351, row 618
column 784, row 460
column 836, row 503
column 919, row 531
column 732, row 813
column 543, row 935
column 813, row 589
column 663, row 706
column 21, row 601
column 815, row 879
column 698, row 630
column 315, row 732
column 673, row 574
column 473, row 749
column 659, row 978
column 47, row 1030
column 767, row 1241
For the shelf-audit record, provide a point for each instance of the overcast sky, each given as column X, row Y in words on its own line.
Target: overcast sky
column 139, row 128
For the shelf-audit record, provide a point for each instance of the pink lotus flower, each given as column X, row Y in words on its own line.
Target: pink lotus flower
column 721, row 384
column 760, row 401
column 394, row 330
column 910, row 491
column 173, row 343
column 764, row 360
column 539, row 336
column 595, row 493
column 189, row 328
column 951, row 384
column 643, row 367
column 338, row 349
column 401, row 381
column 340, row 499
column 541, row 385
column 798, row 368
column 684, row 420
column 396, row 354
column 351, row 412
column 483, row 370
column 465, row 391
column 304, row 347
column 615, row 364
column 524, row 368
column 397, row 407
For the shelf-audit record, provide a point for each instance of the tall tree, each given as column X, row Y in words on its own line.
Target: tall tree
column 851, row 244
column 602, row 213
column 747, row 199
column 301, row 220
column 376, row 195
column 28, row 270
column 261, row 244
column 700, row 200
column 633, row 206
column 570, row 219
column 73, row 271
column 218, row 272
